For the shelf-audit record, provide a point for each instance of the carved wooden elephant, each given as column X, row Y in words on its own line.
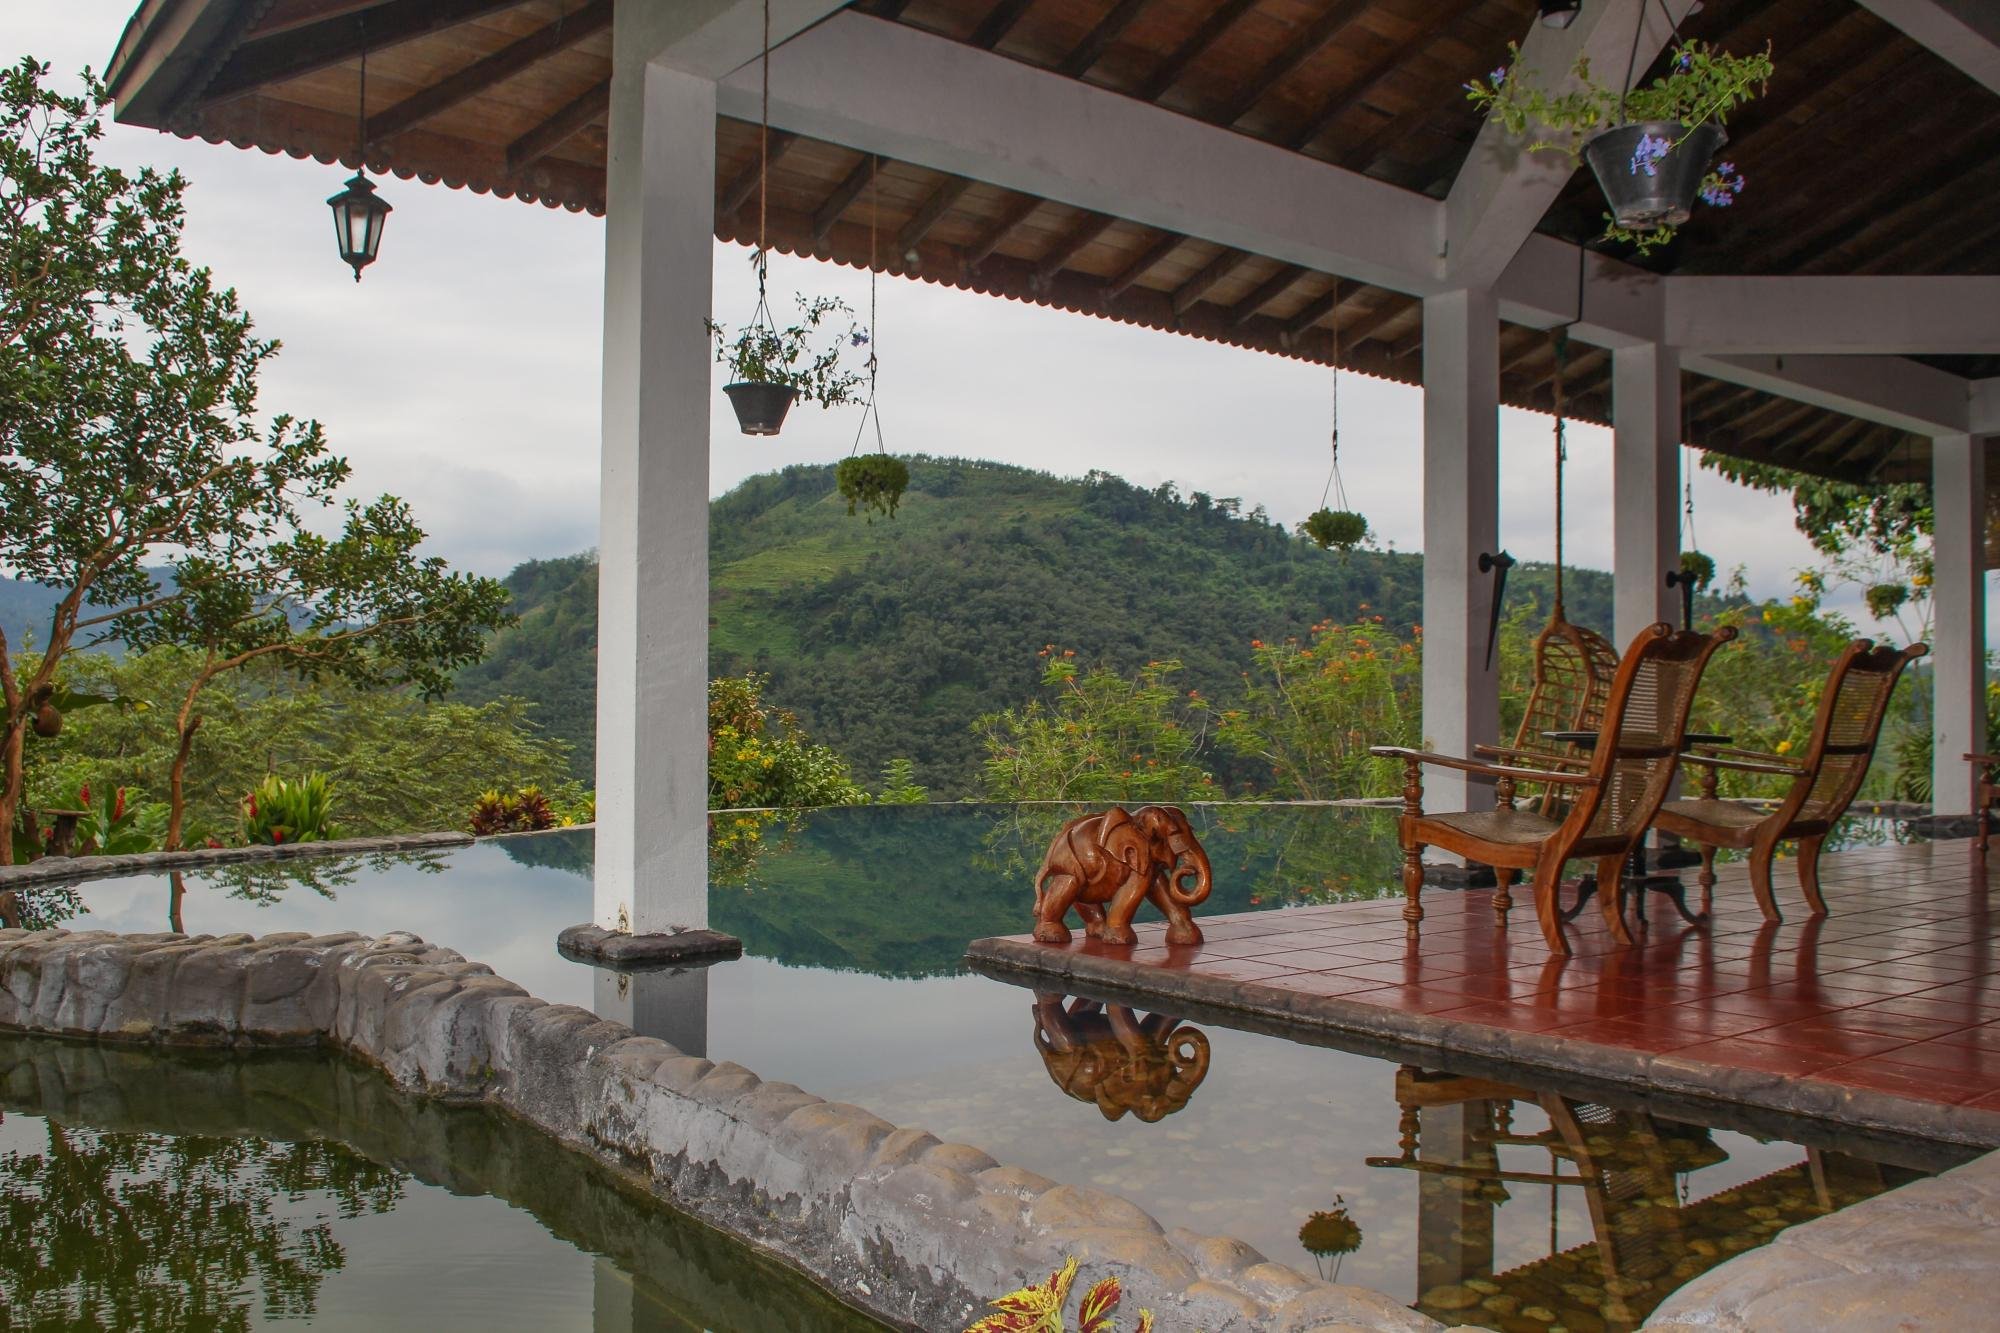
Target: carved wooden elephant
column 1118, row 1061
column 1106, row 865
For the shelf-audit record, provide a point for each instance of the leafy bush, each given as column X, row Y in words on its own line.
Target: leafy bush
column 281, row 811
column 899, row 784
column 1102, row 737
column 525, row 811
column 760, row 757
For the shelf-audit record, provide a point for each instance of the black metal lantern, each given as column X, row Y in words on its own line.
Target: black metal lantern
column 357, row 222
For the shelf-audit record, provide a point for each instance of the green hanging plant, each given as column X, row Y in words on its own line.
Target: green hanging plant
column 1331, row 1234
column 873, row 481
column 1335, row 529
column 1697, row 569
column 1886, row 599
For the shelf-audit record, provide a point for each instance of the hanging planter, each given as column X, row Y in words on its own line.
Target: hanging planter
column 1651, row 148
column 1335, row 529
column 872, row 481
column 1697, row 570
column 1651, row 172
column 771, row 368
column 760, row 405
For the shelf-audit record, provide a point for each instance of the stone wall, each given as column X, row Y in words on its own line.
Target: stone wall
column 917, row 1231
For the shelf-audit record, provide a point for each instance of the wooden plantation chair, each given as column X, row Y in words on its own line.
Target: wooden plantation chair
column 1824, row 779
column 1574, row 668
column 1645, row 721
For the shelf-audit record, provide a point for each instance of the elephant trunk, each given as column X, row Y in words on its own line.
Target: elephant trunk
column 1190, row 863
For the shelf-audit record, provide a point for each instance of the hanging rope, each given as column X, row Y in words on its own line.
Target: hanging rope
column 1334, row 485
column 871, row 412
column 361, row 109
column 1688, row 541
column 764, row 167
column 1562, row 453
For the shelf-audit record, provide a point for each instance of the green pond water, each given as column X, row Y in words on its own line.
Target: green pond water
column 1479, row 1194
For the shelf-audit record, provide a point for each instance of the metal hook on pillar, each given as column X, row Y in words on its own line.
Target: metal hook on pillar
column 1497, row 566
column 1681, row 579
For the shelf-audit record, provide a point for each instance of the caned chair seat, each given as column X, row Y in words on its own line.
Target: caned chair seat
column 1722, row 816
column 1514, row 828
column 1823, row 780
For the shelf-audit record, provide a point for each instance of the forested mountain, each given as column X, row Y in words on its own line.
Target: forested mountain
column 890, row 638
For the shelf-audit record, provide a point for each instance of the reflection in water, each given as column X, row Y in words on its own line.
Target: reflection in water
column 1330, row 1234
column 1109, row 1056
column 1632, row 1169
column 144, row 1230
column 217, row 1192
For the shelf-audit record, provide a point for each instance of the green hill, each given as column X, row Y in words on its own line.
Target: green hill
column 889, row 638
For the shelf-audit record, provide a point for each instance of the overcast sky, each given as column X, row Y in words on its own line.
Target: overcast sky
column 461, row 373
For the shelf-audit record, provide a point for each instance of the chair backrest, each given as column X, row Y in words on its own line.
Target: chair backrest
column 1574, row 668
column 1645, row 721
column 1849, row 722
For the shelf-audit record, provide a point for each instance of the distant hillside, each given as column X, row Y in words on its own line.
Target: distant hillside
column 889, row 638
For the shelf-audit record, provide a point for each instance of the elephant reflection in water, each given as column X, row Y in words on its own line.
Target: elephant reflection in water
column 1117, row 1061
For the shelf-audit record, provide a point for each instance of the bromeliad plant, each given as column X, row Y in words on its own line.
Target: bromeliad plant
column 280, row 811
column 1650, row 147
column 1038, row 1308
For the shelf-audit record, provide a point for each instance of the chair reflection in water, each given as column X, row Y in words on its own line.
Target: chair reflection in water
column 1117, row 1061
column 1628, row 1164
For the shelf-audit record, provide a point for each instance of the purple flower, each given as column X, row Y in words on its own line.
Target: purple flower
column 1497, row 77
column 858, row 338
column 1722, row 186
column 1684, row 61
column 1647, row 156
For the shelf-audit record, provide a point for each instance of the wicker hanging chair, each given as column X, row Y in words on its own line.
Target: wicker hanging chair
column 1573, row 665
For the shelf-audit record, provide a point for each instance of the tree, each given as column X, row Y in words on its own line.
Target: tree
column 760, row 756
column 1103, row 737
column 128, row 397
column 129, row 433
column 362, row 608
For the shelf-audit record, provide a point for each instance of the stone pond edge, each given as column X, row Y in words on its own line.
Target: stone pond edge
column 917, row 1231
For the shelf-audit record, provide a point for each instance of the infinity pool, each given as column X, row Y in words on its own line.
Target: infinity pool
column 1479, row 1198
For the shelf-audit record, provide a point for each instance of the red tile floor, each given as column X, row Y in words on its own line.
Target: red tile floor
column 1897, row 990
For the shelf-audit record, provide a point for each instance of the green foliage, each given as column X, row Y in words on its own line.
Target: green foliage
column 1311, row 710
column 281, row 811
column 548, row 655
column 1330, row 529
column 1698, row 568
column 872, row 481
column 802, row 355
column 761, row 757
column 118, row 822
column 1102, row 736
column 405, row 763
column 1915, row 747
column 525, row 811
column 899, row 784
column 1700, row 84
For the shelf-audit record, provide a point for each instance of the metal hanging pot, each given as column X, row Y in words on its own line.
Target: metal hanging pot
column 760, row 406
column 1651, row 170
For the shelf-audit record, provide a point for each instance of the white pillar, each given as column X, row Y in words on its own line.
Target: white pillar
column 652, row 634
column 1958, row 618
column 1461, row 521
column 1645, row 481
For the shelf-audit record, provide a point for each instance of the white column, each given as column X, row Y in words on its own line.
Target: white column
column 652, row 635
column 1645, row 481
column 1461, row 521
column 1958, row 618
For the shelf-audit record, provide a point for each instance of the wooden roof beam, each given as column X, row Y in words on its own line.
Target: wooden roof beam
column 1265, row 292
column 845, row 193
column 483, row 74
column 1296, row 53
column 1311, row 313
column 999, row 21
column 1088, row 229
column 1443, row 14
column 1388, row 309
column 1194, row 48
column 1218, row 268
column 990, row 239
column 744, row 184
column 930, row 213
column 1091, row 49
column 335, row 41
column 558, row 129
column 1150, row 257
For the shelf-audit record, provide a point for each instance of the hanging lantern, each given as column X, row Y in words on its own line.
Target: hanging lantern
column 357, row 222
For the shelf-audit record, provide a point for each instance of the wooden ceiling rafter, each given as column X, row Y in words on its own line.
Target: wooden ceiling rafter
column 737, row 191
column 999, row 21
column 1343, row 100
column 1312, row 313
column 844, row 194
column 931, row 212
column 316, row 46
column 1270, row 289
column 1019, row 211
column 584, row 110
column 1169, row 73
column 1198, row 286
column 1286, row 62
column 1149, row 258
column 1092, row 48
column 1067, row 247
column 484, row 74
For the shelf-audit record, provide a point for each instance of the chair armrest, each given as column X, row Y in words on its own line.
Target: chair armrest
column 1779, row 767
column 1409, row 756
column 1737, row 752
column 1509, row 754
column 1988, row 760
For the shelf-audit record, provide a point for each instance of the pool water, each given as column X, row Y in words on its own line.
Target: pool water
column 207, row 1192
column 1479, row 1198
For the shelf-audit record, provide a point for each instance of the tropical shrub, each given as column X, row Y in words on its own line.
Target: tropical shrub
column 899, row 784
column 1102, row 736
column 759, row 756
column 1311, row 710
column 281, row 811
column 525, row 811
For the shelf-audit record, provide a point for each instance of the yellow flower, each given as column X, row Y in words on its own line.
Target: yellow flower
column 1784, row 747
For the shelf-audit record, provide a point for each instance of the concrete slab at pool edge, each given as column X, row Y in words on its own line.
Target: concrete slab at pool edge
column 918, row 1232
